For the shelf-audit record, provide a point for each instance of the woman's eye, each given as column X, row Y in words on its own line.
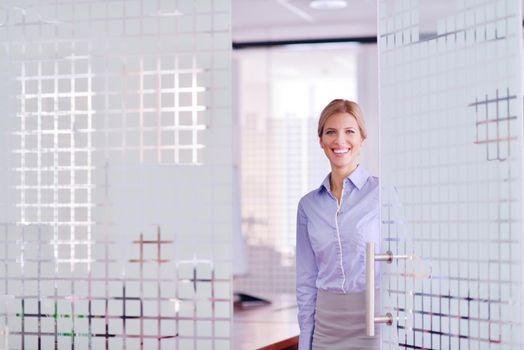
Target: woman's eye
column 329, row 132
column 350, row 131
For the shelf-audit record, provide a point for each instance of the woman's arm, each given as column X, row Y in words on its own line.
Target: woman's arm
column 306, row 276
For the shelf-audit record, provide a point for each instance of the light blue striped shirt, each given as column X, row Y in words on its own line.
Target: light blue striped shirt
column 331, row 243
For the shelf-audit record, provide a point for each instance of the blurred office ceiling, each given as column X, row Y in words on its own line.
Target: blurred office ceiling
column 273, row 20
column 258, row 20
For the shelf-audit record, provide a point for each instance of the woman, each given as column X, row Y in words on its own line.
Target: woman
column 334, row 222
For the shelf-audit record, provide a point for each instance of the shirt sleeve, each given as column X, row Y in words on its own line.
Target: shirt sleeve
column 306, row 277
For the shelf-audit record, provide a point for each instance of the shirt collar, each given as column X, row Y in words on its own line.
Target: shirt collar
column 358, row 178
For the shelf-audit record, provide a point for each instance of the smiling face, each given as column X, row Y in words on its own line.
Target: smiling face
column 341, row 140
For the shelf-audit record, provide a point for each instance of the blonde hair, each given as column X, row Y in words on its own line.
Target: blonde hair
column 342, row 106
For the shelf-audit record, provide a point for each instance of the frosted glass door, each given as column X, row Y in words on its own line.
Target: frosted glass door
column 451, row 140
column 116, row 174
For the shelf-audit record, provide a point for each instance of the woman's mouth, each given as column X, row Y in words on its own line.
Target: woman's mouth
column 340, row 151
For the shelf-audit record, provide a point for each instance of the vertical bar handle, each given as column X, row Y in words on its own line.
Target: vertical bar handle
column 371, row 258
column 370, row 289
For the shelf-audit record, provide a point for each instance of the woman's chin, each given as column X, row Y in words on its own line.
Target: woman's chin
column 343, row 166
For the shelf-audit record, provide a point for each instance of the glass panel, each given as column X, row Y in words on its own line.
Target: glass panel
column 451, row 131
column 116, row 200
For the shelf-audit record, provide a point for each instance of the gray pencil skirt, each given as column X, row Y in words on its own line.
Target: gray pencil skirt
column 340, row 322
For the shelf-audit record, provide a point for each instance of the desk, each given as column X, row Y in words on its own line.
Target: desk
column 268, row 327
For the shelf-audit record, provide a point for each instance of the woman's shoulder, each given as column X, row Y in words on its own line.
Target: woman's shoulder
column 373, row 181
column 371, row 187
column 310, row 199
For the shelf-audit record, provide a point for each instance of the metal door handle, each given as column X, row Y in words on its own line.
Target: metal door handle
column 371, row 258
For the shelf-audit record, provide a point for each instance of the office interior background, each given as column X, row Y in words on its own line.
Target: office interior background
column 153, row 153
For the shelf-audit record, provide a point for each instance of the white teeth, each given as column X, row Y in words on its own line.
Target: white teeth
column 340, row 151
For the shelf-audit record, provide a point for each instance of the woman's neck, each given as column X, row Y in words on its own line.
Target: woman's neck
column 337, row 180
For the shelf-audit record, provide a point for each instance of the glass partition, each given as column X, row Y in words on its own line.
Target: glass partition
column 116, row 174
